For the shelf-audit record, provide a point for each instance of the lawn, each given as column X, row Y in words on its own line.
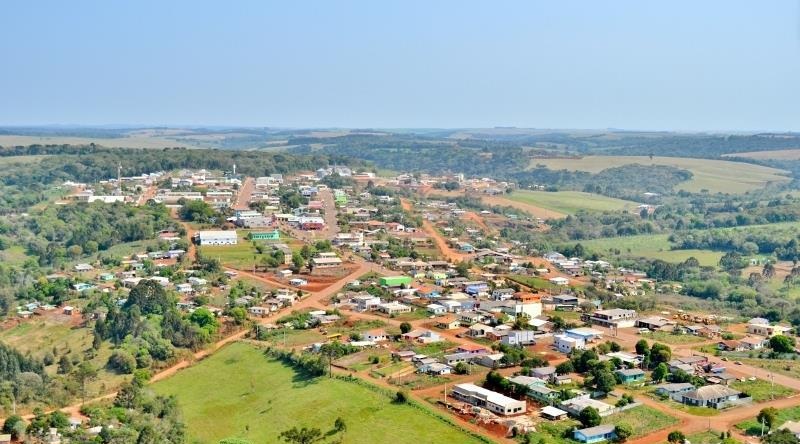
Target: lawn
column 240, row 256
column 786, row 367
column 753, row 427
column 642, row 419
column 656, row 246
column 261, row 397
column 570, row 202
column 762, row 390
column 711, row 437
column 709, row 174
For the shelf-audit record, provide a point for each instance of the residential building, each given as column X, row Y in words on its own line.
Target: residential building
column 584, row 333
column 448, row 322
column 565, row 344
column 712, row 396
column 761, row 327
column 674, row 390
column 615, row 317
column 603, row 432
column 393, row 308
column 519, row 337
column 492, row 401
column 395, row 281
column 630, row 375
column 374, row 335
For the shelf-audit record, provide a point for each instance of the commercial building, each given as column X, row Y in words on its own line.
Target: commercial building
column 217, row 237
column 492, row 401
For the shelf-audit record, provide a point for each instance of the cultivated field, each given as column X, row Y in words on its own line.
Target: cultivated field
column 570, row 202
column 238, row 392
column 712, row 175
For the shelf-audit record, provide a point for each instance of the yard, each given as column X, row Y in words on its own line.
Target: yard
column 670, row 338
column 570, row 202
column 262, row 397
column 711, row 437
column 761, row 390
column 642, row 419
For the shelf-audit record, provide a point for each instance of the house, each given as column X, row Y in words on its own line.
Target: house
column 565, row 344
column 519, row 337
column 761, row 327
column 479, row 330
column 753, row 343
column 730, row 345
column 560, row 281
column 449, row 322
column 552, row 413
column 452, row 306
column 453, row 359
column 298, row 282
column 565, row 302
column 436, row 309
column 603, row 432
column 502, row 294
column 394, row 308
column 713, row 396
column 472, row 348
column 217, row 237
column 615, row 317
column 80, row 268
column 578, row 404
column 492, row 360
column 543, row 394
column 423, row 336
column 184, row 288
column 545, row 373
column 365, row 302
column 792, row 426
column 435, row 368
column 374, row 335
column 492, row 401
column 259, row 311
column 630, row 375
column 653, row 323
column 585, row 333
column 404, row 355
column 674, row 390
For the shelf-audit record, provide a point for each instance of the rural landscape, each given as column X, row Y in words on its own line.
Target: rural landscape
column 359, row 222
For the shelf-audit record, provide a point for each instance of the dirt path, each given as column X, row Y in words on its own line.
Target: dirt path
column 244, row 194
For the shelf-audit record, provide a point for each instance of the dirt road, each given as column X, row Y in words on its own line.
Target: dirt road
column 244, row 194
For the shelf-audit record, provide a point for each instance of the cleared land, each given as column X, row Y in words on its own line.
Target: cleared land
column 709, row 174
column 654, row 246
column 570, row 202
column 261, row 397
column 791, row 154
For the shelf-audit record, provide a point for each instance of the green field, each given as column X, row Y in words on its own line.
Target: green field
column 669, row 338
column 260, row 397
column 643, row 420
column 654, row 246
column 570, row 202
column 711, row 437
column 708, row 174
column 761, row 390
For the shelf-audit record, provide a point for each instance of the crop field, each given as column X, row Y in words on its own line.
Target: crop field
column 263, row 397
column 654, row 246
column 709, row 174
column 570, row 202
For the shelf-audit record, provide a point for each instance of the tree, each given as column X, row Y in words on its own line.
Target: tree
column 83, row 374
column 13, row 425
column 565, row 367
column 461, row 368
column 660, row 372
column 660, row 353
column 781, row 436
column 462, row 268
column 676, row 437
column 122, row 362
column 642, row 348
column 589, row 417
column 64, row 365
column 767, row 416
column 405, row 327
column 604, row 380
column 782, row 344
column 623, row 432
column 239, row 315
column 150, row 297
column 301, row 436
column 298, row 261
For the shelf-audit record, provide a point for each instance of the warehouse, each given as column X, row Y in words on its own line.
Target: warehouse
column 217, row 237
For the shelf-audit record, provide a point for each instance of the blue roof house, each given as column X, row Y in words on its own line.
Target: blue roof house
column 604, row 432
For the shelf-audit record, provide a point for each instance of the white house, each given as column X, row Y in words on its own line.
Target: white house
column 436, row 309
column 565, row 344
column 558, row 280
column 374, row 335
column 492, row 401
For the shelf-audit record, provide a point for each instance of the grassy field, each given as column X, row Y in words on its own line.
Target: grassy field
column 709, row 174
column 711, row 437
column 261, row 397
column 753, row 427
column 669, row 338
column 783, row 366
column 570, row 202
column 761, row 390
column 654, row 246
column 642, row 420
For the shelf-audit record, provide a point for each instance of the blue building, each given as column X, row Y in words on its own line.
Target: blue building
column 599, row 433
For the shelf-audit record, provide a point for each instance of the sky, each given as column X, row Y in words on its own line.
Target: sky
column 672, row 65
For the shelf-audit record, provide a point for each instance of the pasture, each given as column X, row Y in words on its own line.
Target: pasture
column 261, row 397
column 656, row 246
column 570, row 202
column 110, row 142
column 709, row 174
column 790, row 154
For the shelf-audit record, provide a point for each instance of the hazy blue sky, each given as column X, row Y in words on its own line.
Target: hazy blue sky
column 691, row 65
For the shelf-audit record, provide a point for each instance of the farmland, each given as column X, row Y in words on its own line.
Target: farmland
column 263, row 397
column 570, row 202
column 792, row 154
column 712, row 175
column 112, row 142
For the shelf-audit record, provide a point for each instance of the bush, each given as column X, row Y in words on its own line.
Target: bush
column 122, row 362
column 401, row 397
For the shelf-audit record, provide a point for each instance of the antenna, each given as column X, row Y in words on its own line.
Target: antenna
column 119, row 179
